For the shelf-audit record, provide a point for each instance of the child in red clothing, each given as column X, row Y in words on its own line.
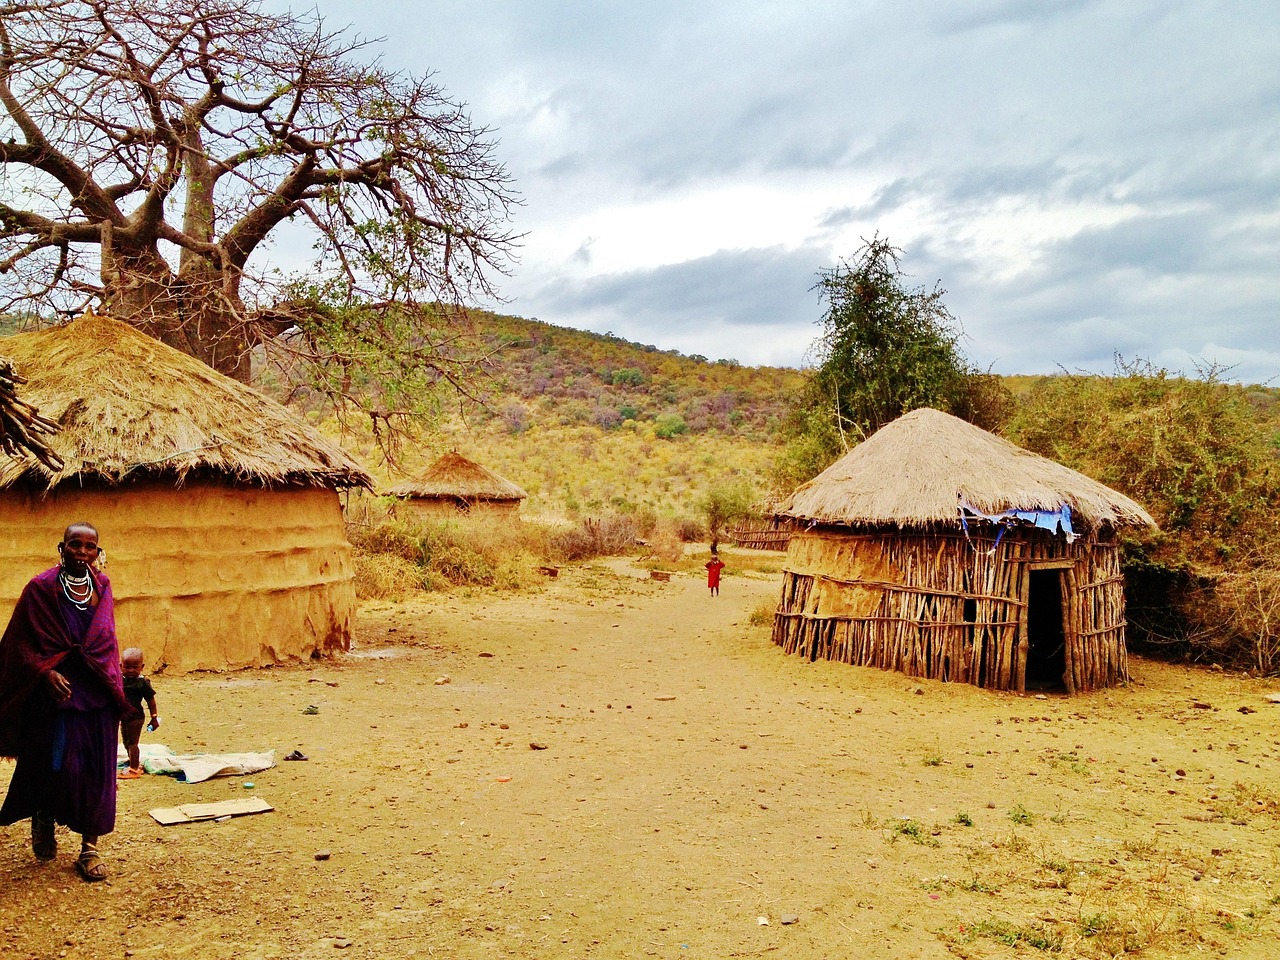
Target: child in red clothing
column 136, row 689
column 714, row 566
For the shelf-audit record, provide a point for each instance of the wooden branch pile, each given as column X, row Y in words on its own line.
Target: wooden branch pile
column 22, row 428
column 949, row 607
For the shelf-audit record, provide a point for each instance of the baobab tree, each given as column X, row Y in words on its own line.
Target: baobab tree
column 151, row 149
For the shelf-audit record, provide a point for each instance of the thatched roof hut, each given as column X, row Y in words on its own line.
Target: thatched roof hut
column 217, row 507
column 940, row 550
column 454, row 484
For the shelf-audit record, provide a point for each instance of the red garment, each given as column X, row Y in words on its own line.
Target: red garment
column 38, row 639
column 714, row 566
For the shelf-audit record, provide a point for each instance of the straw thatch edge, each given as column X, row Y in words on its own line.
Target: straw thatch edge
column 129, row 407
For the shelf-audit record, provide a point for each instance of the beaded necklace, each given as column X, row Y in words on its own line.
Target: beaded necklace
column 78, row 590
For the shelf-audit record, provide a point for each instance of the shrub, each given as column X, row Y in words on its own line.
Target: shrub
column 691, row 529
column 385, row 576
column 611, row 535
column 1198, row 456
column 762, row 614
column 395, row 555
column 668, row 425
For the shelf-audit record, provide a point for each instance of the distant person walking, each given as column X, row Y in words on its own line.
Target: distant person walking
column 61, row 698
column 714, row 566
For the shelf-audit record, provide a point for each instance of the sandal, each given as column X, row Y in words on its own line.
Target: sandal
column 44, row 844
column 90, row 866
column 129, row 773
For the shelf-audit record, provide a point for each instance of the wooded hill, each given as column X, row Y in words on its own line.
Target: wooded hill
column 590, row 422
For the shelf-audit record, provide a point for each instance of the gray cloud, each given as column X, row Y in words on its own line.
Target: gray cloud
column 1155, row 116
column 737, row 288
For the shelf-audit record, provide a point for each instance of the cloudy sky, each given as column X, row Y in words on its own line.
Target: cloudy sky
column 1084, row 178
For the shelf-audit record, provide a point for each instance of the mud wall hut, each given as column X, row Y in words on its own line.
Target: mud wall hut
column 939, row 550
column 218, row 508
column 454, row 485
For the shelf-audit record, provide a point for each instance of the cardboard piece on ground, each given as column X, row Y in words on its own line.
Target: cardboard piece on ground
column 193, row 812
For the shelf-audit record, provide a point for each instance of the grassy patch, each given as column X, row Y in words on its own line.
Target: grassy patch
column 1038, row 936
column 1021, row 815
column 913, row 830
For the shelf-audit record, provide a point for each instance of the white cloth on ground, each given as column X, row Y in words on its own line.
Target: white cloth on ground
column 157, row 758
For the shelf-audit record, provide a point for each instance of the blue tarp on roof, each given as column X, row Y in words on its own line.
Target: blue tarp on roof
column 1051, row 520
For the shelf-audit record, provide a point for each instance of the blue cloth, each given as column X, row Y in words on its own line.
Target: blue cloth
column 1050, row 520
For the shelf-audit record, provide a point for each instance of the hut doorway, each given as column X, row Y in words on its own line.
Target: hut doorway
column 1046, row 639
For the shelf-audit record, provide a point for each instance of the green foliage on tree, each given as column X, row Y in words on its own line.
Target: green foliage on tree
column 886, row 348
column 724, row 504
column 1198, row 455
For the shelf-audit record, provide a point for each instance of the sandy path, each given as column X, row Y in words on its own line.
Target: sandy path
column 693, row 781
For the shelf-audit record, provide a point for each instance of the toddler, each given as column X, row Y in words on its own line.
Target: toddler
column 137, row 688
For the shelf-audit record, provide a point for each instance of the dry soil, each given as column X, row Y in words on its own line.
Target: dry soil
column 611, row 766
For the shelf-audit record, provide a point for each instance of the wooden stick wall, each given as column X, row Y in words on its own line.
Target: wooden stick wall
column 951, row 608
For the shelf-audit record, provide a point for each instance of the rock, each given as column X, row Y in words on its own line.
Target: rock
column 485, row 654
column 1246, row 710
column 790, row 918
column 311, row 711
column 664, row 698
column 341, row 943
column 537, row 746
column 441, row 681
column 323, row 854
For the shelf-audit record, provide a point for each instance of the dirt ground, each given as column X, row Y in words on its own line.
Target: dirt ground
column 618, row 767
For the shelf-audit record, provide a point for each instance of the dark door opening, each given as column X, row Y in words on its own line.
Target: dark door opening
column 1046, row 643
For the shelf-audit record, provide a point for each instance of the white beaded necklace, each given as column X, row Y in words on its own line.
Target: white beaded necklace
column 78, row 590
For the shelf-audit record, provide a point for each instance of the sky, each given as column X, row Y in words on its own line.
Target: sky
column 1086, row 180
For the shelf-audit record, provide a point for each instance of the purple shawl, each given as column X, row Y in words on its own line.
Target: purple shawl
column 36, row 641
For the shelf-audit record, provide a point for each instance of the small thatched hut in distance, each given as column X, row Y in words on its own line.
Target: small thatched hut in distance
column 454, row 485
column 940, row 550
column 218, row 508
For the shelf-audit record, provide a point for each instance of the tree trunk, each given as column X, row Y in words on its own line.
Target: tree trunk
column 191, row 311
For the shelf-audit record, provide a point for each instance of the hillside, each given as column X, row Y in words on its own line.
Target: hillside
column 590, row 422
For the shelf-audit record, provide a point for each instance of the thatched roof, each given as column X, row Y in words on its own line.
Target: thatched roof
column 915, row 471
column 128, row 406
column 22, row 428
column 455, row 477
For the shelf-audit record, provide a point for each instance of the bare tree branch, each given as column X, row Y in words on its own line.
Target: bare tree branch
column 149, row 149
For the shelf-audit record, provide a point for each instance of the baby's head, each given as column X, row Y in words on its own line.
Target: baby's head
column 131, row 662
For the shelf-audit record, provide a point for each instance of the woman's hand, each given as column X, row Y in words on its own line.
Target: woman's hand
column 58, row 684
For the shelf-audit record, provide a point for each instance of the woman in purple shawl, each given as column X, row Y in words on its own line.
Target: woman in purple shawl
column 60, row 702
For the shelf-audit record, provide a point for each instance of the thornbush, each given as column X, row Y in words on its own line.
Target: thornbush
column 396, row 554
column 1201, row 461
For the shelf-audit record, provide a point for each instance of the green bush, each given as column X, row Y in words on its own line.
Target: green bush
column 668, row 425
column 1198, row 456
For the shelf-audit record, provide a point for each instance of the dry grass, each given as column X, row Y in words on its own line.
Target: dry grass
column 397, row 555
